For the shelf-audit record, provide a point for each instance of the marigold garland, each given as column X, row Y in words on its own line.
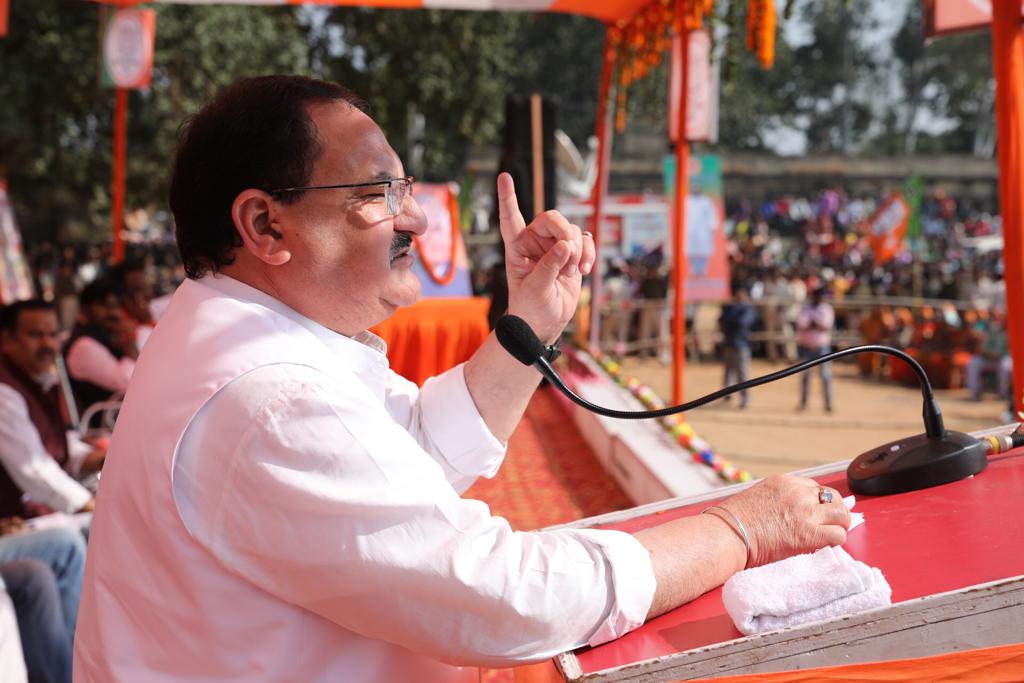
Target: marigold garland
column 700, row 450
column 640, row 42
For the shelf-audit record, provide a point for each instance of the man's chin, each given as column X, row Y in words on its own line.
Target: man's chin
column 404, row 298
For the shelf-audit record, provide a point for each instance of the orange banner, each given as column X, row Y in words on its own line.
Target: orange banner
column 956, row 16
column 5, row 8
column 888, row 226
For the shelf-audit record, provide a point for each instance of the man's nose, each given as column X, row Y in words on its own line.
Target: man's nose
column 410, row 217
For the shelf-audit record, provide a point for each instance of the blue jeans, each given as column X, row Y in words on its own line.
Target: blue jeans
column 825, row 369
column 63, row 551
column 45, row 638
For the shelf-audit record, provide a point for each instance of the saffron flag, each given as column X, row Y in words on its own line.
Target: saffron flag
column 888, row 226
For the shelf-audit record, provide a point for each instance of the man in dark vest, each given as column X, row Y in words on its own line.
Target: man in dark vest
column 101, row 351
column 37, row 453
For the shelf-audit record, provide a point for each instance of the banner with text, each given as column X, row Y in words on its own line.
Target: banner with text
column 441, row 263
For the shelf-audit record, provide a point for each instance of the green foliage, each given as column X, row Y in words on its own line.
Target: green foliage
column 948, row 79
column 56, row 123
column 457, row 68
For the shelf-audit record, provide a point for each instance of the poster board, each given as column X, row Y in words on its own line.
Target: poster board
column 15, row 281
column 707, row 264
column 435, row 251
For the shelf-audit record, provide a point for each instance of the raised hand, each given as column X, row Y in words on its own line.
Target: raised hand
column 545, row 262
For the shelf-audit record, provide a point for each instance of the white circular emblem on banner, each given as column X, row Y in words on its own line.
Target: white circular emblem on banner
column 127, row 48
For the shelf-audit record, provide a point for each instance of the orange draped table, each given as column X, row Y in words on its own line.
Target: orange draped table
column 953, row 554
column 434, row 335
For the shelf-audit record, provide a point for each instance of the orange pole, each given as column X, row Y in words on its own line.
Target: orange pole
column 117, row 194
column 679, row 224
column 1008, row 67
column 600, row 185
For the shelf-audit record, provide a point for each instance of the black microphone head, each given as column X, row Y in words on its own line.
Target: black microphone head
column 516, row 337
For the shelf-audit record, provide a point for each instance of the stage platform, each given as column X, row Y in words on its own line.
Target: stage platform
column 953, row 554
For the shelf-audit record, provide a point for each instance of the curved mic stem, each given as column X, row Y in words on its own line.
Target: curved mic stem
column 934, row 427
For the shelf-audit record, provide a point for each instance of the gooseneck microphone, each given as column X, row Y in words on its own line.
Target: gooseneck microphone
column 936, row 457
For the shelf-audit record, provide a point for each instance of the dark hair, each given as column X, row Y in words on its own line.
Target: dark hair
column 98, row 291
column 11, row 313
column 255, row 134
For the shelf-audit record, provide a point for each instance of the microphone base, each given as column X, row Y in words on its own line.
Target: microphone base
column 916, row 463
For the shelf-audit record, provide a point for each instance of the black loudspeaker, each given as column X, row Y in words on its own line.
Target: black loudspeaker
column 517, row 151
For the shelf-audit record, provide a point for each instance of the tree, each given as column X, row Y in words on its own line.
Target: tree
column 56, row 123
column 452, row 67
column 947, row 83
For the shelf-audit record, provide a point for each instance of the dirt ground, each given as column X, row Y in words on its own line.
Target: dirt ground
column 771, row 435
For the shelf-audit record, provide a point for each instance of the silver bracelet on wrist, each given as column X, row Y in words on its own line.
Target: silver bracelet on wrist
column 739, row 527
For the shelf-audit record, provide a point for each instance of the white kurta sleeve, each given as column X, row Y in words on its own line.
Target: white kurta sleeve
column 319, row 497
column 27, row 461
column 445, row 422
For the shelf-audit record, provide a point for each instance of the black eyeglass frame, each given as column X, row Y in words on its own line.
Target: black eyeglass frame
column 392, row 204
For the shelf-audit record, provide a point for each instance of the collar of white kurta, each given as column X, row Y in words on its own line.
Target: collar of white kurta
column 366, row 350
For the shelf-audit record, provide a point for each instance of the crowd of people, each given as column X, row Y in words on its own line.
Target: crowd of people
column 96, row 316
column 942, row 299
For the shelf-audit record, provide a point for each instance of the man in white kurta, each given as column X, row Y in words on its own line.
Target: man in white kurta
column 277, row 505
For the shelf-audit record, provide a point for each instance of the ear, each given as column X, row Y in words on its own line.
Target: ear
column 255, row 216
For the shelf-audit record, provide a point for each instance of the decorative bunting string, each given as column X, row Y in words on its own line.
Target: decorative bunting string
column 699, row 449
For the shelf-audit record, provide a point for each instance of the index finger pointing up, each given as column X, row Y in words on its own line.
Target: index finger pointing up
column 510, row 218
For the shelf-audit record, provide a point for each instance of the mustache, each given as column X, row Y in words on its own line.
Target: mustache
column 399, row 243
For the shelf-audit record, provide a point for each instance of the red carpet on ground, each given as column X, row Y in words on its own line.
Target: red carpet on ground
column 550, row 476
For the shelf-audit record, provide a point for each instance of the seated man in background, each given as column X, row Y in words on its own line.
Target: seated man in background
column 39, row 457
column 45, row 638
column 994, row 357
column 101, row 352
column 136, row 293
column 42, row 573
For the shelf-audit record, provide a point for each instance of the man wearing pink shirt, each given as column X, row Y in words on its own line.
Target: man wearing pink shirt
column 101, row 352
column 814, row 338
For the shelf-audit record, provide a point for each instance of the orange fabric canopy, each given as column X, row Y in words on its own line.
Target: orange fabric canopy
column 608, row 11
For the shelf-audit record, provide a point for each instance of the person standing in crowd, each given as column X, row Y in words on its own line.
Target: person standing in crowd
column 736, row 322
column 101, row 352
column 994, row 357
column 653, row 333
column 617, row 292
column 280, row 506
column 40, row 457
column 814, row 337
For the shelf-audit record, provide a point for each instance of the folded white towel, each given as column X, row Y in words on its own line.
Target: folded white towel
column 803, row 588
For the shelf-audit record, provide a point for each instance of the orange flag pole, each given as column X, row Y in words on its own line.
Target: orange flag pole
column 117, row 195
column 679, row 222
column 1008, row 67
column 600, row 186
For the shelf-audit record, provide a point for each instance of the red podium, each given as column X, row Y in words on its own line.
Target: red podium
column 953, row 554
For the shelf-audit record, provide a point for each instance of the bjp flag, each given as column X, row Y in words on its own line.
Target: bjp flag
column 888, row 226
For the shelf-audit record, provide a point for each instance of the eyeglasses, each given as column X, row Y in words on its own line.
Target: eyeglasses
column 395, row 190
